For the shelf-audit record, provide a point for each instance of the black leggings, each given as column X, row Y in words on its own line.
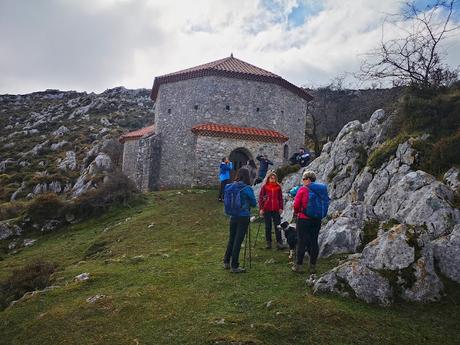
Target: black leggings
column 269, row 217
column 238, row 228
column 308, row 230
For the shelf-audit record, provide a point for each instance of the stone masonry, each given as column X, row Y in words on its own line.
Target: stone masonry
column 279, row 109
column 240, row 95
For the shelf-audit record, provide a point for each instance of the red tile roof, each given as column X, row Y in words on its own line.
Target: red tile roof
column 137, row 134
column 230, row 131
column 228, row 67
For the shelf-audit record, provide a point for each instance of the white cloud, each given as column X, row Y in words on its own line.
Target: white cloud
column 96, row 44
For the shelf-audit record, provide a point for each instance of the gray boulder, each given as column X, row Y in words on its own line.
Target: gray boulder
column 58, row 146
column 8, row 230
column 447, row 254
column 343, row 234
column 61, row 131
column 397, row 264
column 69, row 162
column 451, row 178
column 353, row 279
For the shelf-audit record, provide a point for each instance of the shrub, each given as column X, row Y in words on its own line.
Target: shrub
column 10, row 210
column 436, row 112
column 385, row 151
column 369, row 233
column 34, row 276
column 285, row 170
column 439, row 156
column 116, row 190
column 430, row 110
column 45, row 206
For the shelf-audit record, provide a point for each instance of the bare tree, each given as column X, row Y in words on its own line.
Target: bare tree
column 416, row 58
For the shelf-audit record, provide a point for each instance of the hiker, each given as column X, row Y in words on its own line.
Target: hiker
column 239, row 198
column 252, row 168
column 263, row 167
column 224, row 176
column 301, row 158
column 271, row 207
column 310, row 195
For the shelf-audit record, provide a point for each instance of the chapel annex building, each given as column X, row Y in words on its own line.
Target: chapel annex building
column 225, row 108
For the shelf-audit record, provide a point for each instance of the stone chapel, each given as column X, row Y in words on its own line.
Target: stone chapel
column 225, row 108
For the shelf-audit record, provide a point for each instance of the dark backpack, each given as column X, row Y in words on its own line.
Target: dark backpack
column 232, row 199
column 318, row 201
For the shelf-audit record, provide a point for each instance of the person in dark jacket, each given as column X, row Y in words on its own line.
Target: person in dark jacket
column 271, row 207
column 224, row 175
column 263, row 167
column 252, row 168
column 307, row 228
column 239, row 225
column 302, row 158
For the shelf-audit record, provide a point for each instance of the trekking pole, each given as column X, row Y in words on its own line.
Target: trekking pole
column 250, row 256
column 257, row 234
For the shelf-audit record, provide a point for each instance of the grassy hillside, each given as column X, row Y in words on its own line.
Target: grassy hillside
column 159, row 267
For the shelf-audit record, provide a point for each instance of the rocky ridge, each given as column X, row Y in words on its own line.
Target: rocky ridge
column 398, row 223
column 60, row 141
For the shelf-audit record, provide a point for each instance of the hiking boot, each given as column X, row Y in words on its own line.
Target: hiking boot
column 312, row 269
column 297, row 268
column 238, row 270
column 226, row 266
column 269, row 245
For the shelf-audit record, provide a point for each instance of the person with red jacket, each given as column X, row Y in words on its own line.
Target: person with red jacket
column 271, row 207
column 307, row 228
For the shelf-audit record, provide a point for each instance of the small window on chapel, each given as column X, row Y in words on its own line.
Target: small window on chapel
column 282, row 112
column 257, row 109
column 286, row 151
column 227, row 107
column 169, row 111
column 195, row 107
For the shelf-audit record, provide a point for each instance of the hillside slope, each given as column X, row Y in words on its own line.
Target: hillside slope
column 48, row 138
column 155, row 277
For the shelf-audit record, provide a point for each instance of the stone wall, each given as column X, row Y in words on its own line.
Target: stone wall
column 130, row 156
column 210, row 150
column 141, row 162
column 181, row 105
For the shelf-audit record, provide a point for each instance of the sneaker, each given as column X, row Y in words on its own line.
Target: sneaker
column 238, row 270
column 226, row 266
column 312, row 269
column 269, row 245
column 297, row 268
column 280, row 246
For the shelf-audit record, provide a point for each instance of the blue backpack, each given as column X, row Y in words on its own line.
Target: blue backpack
column 232, row 199
column 318, row 201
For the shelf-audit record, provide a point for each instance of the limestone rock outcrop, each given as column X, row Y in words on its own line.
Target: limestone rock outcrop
column 366, row 199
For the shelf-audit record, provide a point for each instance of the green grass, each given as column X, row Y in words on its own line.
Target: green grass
column 178, row 292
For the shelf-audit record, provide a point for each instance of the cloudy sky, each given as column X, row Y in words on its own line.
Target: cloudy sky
column 92, row 45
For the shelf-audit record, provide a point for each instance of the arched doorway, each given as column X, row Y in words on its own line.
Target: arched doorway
column 239, row 157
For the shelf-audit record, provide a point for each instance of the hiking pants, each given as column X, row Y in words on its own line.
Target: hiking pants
column 238, row 228
column 276, row 218
column 222, row 188
column 307, row 231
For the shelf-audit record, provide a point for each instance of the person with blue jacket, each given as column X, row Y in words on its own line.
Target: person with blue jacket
column 224, row 175
column 239, row 224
